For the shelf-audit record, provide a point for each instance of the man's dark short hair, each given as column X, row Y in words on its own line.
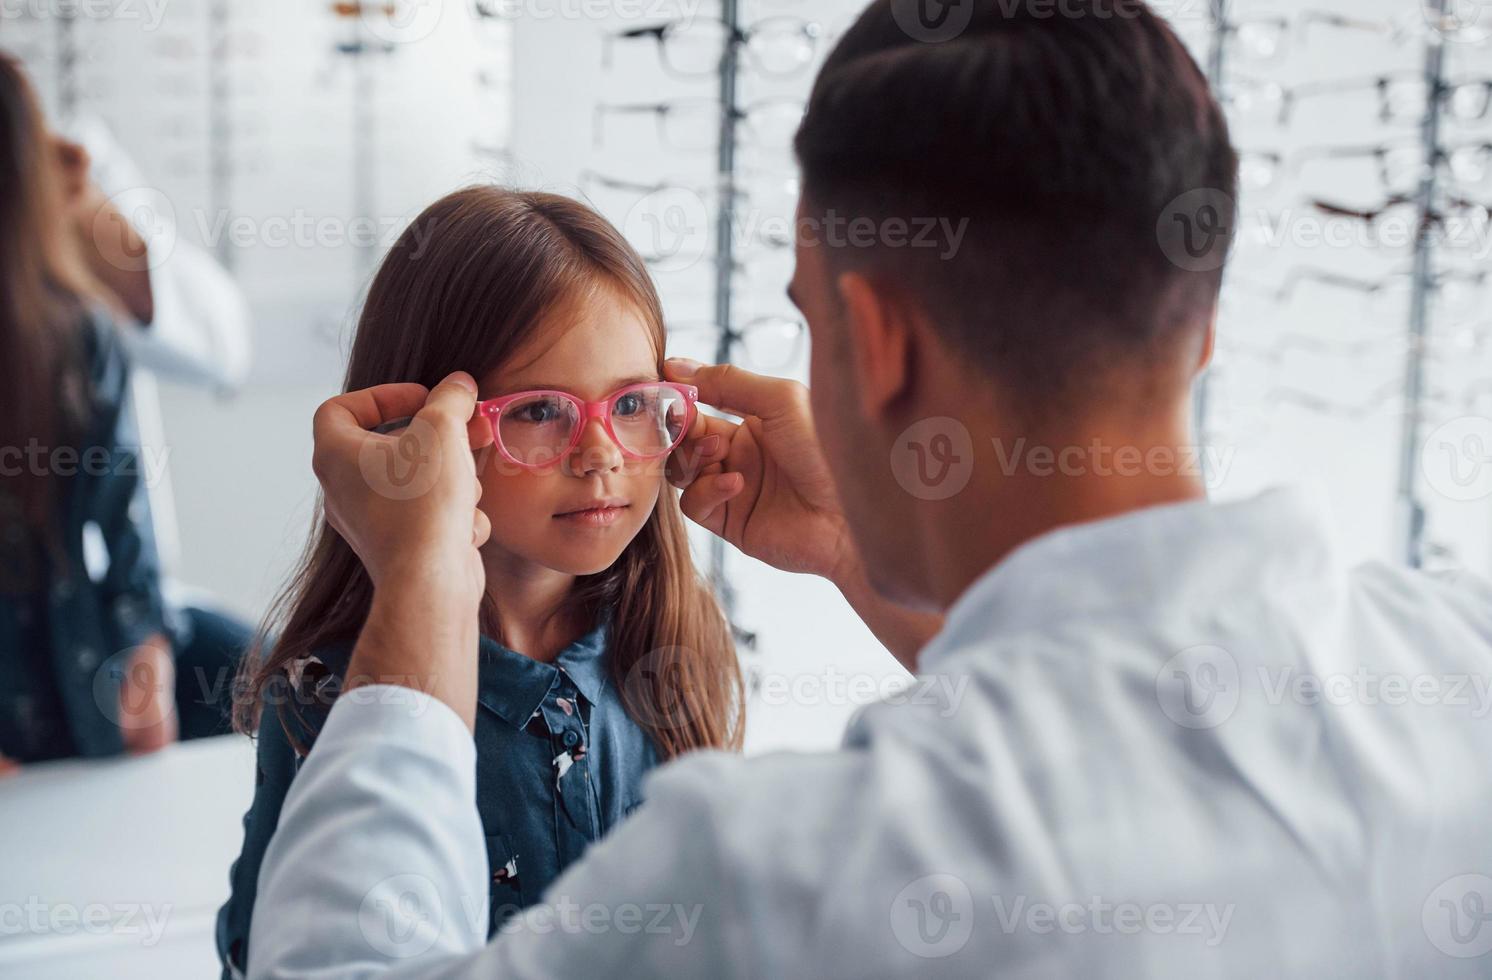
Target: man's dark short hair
column 1082, row 144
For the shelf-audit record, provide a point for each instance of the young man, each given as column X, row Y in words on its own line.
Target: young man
column 1128, row 753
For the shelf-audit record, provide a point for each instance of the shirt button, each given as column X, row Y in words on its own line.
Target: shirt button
column 571, row 738
column 87, row 658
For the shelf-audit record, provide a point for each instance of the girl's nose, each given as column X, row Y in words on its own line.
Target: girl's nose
column 596, row 451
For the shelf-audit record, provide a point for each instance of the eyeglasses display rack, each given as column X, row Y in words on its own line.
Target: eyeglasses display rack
column 1269, row 69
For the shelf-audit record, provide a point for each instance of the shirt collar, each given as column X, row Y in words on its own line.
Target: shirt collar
column 585, row 659
column 1175, row 554
column 514, row 685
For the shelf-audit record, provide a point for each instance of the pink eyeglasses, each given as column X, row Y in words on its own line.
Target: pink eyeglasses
column 535, row 428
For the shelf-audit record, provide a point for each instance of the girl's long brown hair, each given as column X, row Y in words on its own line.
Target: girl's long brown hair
column 464, row 287
column 43, row 288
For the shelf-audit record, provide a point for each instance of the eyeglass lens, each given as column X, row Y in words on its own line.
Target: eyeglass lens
column 538, row 429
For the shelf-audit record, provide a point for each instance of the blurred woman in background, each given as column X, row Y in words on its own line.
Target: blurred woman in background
column 86, row 659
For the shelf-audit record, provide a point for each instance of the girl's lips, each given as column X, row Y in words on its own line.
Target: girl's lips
column 596, row 517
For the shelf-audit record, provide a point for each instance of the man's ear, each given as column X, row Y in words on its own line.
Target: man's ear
column 880, row 339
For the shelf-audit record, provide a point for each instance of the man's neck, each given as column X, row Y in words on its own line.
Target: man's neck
column 1026, row 493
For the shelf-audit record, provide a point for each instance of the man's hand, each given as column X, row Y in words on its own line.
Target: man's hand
column 764, row 486
column 407, row 505
column 761, row 484
column 406, row 502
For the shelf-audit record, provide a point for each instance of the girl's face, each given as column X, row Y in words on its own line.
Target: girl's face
column 590, row 349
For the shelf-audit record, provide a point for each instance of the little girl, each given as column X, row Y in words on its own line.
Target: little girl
column 603, row 652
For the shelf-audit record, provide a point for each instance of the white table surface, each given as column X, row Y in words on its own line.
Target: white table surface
column 116, row 868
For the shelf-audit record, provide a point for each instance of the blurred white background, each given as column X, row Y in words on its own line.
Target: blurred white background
column 293, row 141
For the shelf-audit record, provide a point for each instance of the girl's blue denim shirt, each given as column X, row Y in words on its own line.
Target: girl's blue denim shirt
column 559, row 762
column 70, row 611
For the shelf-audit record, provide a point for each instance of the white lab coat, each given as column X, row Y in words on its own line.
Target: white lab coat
column 1115, row 767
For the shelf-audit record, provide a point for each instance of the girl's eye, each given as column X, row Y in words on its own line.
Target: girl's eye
column 538, row 412
column 633, row 403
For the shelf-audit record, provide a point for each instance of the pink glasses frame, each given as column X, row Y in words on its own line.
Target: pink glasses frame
column 492, row 409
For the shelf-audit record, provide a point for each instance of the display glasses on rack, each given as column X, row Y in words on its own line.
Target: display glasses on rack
column 1351, row 315
column 693, row 125
column 1401, row 219
column 720, row 242
column 1399, row 98
column 1459, row 291
column 766, row 344
column 779, row 46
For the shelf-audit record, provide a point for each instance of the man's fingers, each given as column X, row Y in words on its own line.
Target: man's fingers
column 479, row 431
column 481, row 528
column 708, row 443
column 369, row 408
column 454, row 400
column 341, row 425
column 703, row 498
column 734, row 389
